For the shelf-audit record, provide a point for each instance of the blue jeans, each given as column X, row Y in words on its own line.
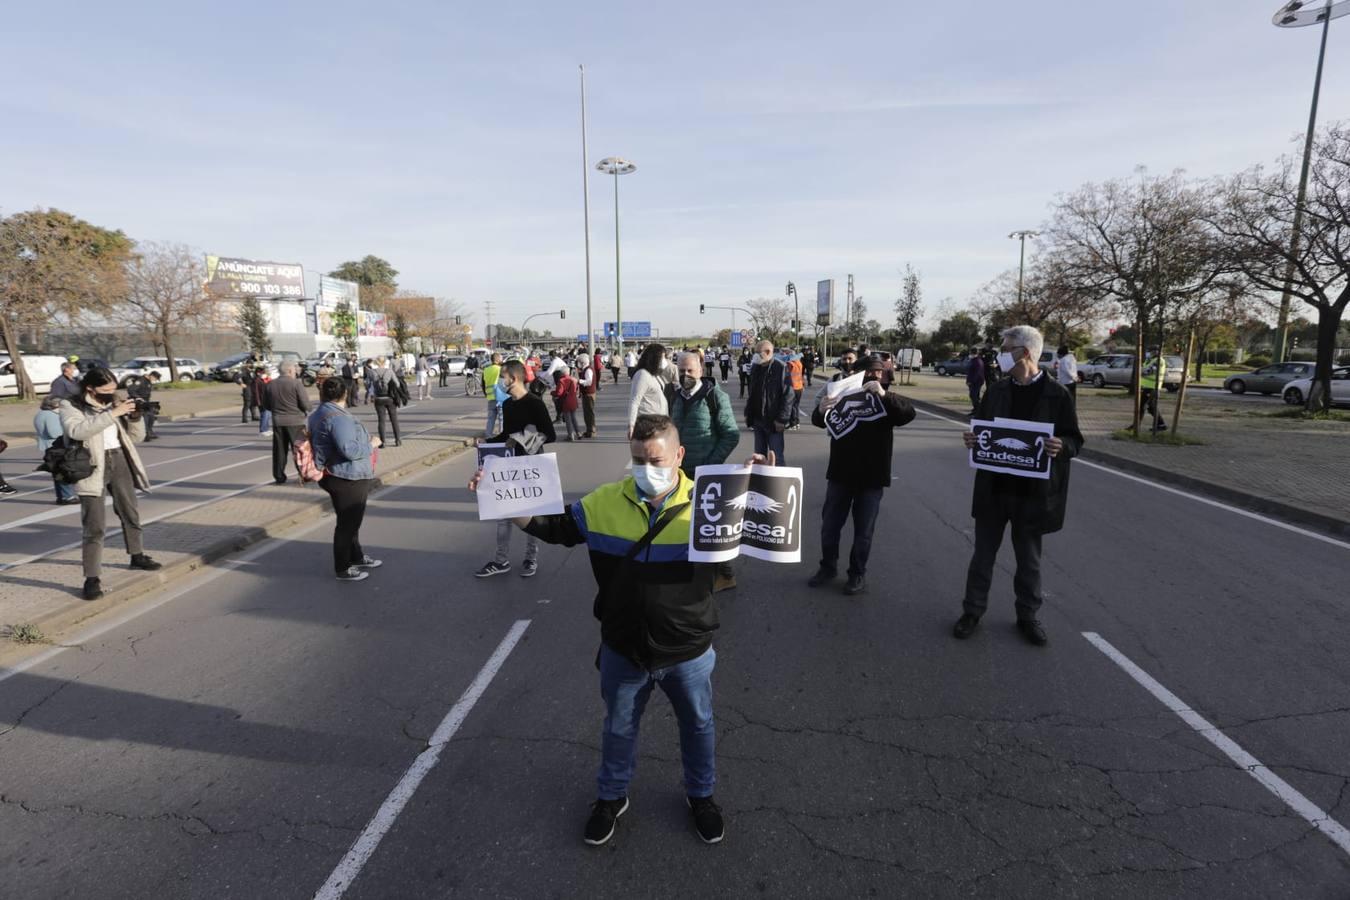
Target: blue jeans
column 626, row 688
column 768, row 438
column 265, row 423
column 493, row 411
column 866, row 504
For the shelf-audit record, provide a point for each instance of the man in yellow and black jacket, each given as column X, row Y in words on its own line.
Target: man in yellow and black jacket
column 657, row 616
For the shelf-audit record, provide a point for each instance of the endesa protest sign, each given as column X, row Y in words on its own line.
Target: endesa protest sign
column 845, row 415
column 486, row 450
column 515, row 486
column 1011, row 447
column 750, row 510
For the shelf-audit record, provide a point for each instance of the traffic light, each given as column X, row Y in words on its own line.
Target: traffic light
column 700, row 309
column 562, row 313
column 459, row 320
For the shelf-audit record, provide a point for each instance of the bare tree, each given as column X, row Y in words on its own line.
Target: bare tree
column 165, row 295
column 772, row 314
column 908, row 310
column 1256, row 218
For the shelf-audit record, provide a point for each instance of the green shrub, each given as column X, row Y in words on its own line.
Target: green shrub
column 1257, row 361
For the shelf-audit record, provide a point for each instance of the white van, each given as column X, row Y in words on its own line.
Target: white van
column 909, row 358
column 42, row 371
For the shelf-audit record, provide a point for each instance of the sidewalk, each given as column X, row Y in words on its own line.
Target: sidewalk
column 1296, row 470
column 45, row 592
column 177, row 404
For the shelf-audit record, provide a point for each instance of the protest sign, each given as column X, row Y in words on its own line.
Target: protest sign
column 1011, row 447
column 844, row 386
column 750, row 510
column 486, row 450
column 516, row 486
column 844, row 416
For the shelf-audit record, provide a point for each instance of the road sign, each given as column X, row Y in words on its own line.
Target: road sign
column 630, row 330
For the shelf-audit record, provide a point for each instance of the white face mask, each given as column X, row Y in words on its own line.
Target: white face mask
column 1006, row 361
column 654, row 481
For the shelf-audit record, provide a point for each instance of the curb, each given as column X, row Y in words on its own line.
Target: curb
column 179, row 417
column 79, row 611
column 1294, row 515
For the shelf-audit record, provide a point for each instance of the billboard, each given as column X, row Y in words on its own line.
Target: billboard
column 372, row 324
column 231, row 278
column 825, row 302
column 630, row 330
column 333, row 291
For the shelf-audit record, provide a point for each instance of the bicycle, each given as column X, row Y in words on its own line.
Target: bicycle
column 473, row 384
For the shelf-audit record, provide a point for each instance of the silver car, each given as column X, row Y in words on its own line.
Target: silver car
column 1268, row 379
column 1296, row 392
column 1120, row 373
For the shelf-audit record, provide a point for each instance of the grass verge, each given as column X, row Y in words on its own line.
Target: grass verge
column 1301, row 413
column 1166, row 438
column 26, row 633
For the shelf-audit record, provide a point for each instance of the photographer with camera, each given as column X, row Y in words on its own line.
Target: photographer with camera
column 108, row 428
column 139, row 389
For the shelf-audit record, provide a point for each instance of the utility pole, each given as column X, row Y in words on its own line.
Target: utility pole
column 848, row 310
column 1022, row 262
column 487, row 329
column 586, row 207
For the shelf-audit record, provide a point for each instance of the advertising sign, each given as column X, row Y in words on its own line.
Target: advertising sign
column 372, row 324
column 750, row 510
column 1011, row 447
column 515, row 486
column 631, row 330
column 845, row 415
column 825, row 302
column 333, row 291
column 230, row 278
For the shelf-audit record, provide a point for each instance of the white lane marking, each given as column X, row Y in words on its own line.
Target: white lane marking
column 94, row 632
column 148, row 465
column 1327, row 539
column 350, row 867
column 1315, row 815
column 73, row 509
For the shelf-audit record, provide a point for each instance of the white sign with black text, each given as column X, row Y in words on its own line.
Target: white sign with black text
column 1011, row 447
column 517, row 486
column 845, row 415
column 750, row 510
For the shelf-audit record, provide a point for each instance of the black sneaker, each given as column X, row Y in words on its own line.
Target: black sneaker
column 367, row 563
column 856, row 585
column 529, row 568
column 707, row 819
column 1033, row 632
column 493, row 568
column 965, row 626
column 141, row 561
column 93, row 589
column 823, row 576
column 353, row 574
column 7, row 488
column 604, row 816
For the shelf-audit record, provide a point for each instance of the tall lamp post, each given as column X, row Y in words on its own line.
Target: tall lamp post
column 562, row 314
column 796, row 312
column 1022, row 260
column 1295, row 15
column 586, row 212
column 616, row 166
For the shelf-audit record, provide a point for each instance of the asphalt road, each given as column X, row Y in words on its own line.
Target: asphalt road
column 235, row 739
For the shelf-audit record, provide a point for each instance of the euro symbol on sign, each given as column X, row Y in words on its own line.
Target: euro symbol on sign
column 708, row 501
column 984, row 439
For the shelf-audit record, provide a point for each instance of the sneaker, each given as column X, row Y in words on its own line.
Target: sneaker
column 1033, row 632
column 67, row 501
column 93, row 589
column 7, row 488
column 604, row 817
column 707, row 819
column 353, row 574
column 823, row 576
column 528, row 568
column 367, row 563
column 152, row 437
column 493, row 568
column 141, row 561
column 265, row 433
column 856, row 585
column 965, row 626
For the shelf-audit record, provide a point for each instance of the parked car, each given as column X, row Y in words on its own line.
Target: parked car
column 1087, row 371
column 41, row 370
column 1296, row 392
column 1270, row 379
column 957, row 365
column 144, row 365
column 1120, row 373
column 454, row 365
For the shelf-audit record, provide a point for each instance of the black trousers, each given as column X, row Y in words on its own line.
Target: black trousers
column 283, row 439
column 745, row 380
column 808, row 373
column 149, row 419
column 840, row 499
column 386, row 408
column 444, row 374
column 588, row 411
column 974, row 397
column 989, row 528
column 349, row 503
column 250, row 405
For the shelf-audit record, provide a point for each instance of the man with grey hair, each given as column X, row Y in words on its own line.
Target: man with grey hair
column 67, row 385
column 288, row 402
column 1033, row 507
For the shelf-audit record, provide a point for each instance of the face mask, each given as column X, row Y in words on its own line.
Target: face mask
column 688, row 382
column 1006, row 361
column 653, row 480
column 871, row 377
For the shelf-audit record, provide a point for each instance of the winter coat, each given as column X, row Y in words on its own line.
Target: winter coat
column 82, row 422
column 647, row 397
column 707, row 425
column 566, row 392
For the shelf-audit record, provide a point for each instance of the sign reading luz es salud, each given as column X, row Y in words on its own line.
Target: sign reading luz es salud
column 750, row 510
column 1011, row 447
column 231, row 278
column 518, row 486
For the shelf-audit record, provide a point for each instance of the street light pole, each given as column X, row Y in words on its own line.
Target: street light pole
column 586, row 211
column 616, row 166
column 1291, row 16
column 796, row 312
column 1022, row 260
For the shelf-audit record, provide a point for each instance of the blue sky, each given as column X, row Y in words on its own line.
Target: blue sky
column 774, row 142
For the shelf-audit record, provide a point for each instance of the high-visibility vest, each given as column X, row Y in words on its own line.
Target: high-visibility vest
column 795, row 373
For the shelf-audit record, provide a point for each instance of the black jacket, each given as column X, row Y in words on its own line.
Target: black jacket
column 528, row 410
column 862, row 458
column 288, row 401
column 770, row 396
column 1040, row 503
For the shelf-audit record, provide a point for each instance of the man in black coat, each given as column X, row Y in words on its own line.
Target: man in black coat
column 140, row 388
column 288, row 401
column 769, row 407
column 1034, row 507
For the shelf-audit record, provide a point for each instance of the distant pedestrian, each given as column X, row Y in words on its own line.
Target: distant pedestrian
column 443, row 369
column 709, row 362
column 769, row 407
column 109, row 430
column 261, row 378
column 798, row 384
column 245, row 379
column 141, row 387
column 1151, row 380
column 744, row 364
column 724, row 363
column 47, row 427
column 493, row 392
column 390, row 394
column 364, row 386
column 630, row 362
column 345, row 452
column 422, row 375
column 66, row 385
column 349, row 371
column 858, row 473
column 325, row 372
column 808, row 364
column 588, row 382
column 1066, row 370
column 1033, row 507
column 975, row 378
column 565, row 394
column 527, row 424
column 612, row 360
column 648, row 394
column 288, row 402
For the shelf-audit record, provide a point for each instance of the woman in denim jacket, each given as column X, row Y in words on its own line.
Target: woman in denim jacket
column 344, row 450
